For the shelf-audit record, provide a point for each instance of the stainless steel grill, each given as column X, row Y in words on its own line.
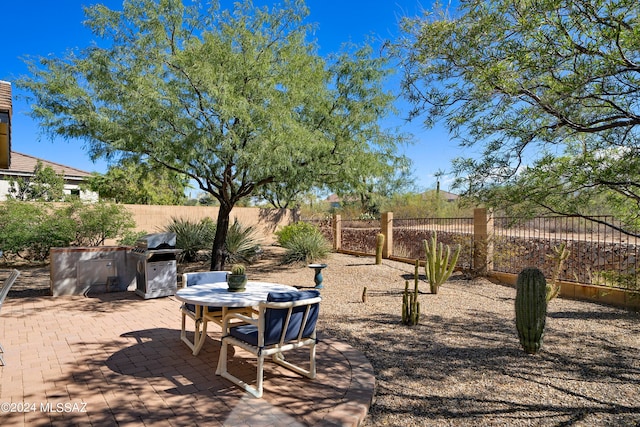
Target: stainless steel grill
column 156, row 265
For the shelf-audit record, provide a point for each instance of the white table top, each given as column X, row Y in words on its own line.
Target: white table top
column 217, row 294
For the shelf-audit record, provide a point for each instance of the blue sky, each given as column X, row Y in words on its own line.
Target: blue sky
column 45, row 27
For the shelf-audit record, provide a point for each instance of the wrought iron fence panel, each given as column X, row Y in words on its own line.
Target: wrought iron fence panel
column 409, row 235
column 599, row 254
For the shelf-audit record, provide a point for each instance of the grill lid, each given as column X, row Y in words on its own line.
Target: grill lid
column 157, row 241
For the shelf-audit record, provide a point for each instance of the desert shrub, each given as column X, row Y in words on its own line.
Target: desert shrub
column 286, row 233
column 192, row 236
column 306, row 247
column 99, row 221
column 28, row 229
column 243, row 244
column 129, row 238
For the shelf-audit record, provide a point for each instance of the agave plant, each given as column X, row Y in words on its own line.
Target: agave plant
column 243, row 244
column 192, row 236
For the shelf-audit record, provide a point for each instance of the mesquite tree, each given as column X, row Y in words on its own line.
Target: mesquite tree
column 234, row 99
column 545, row 95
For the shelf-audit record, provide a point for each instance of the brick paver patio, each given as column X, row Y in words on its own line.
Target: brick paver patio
column 116, row 359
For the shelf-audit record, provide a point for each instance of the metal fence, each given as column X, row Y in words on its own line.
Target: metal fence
column 409, row 236
column 599, row 253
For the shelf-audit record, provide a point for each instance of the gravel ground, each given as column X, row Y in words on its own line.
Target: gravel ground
column 462, row 364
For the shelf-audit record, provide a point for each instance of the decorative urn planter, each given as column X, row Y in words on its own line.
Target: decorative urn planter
column 237, row 279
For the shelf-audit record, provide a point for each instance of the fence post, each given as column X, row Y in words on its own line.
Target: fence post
column 386, row 228
column 337, row 232
column 482, row 241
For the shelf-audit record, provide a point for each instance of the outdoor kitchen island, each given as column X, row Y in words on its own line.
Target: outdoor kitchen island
column 149, row 268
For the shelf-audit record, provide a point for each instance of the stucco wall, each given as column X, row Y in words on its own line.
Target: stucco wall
column 153, row 218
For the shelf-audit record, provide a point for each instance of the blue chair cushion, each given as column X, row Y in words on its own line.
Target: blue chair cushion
column 275, row 319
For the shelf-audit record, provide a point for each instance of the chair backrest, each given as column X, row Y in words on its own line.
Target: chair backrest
column 290, row 316
column 190, row 279
column 7, row 284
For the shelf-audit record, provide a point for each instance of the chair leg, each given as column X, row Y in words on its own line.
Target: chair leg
column 222, row 358
column 259, row 377
column 224, row 373
column 183, row 333
column 310, row 373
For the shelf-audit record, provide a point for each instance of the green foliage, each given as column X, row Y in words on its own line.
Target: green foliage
column 45, row 185
column 307, row 247
column 192, row 236
column 545, row 92
column 99, row 221
column 410, row 303
column 29, row 230
column 430, row 204
column 234, row 99
column 531, row 308
column 129, row 238
column 617, row 279
column 439, row 263
column 243, row 243
column 135, row 182
column 286, row 233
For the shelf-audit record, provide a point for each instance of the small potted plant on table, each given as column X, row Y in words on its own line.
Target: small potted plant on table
column 237, row 279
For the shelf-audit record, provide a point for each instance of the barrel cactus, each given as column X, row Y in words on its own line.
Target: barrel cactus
column 531, row 308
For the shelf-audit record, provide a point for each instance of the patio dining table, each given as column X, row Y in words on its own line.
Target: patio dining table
column 218, row 295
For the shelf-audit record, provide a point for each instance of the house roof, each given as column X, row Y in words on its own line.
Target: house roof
column 25, row 164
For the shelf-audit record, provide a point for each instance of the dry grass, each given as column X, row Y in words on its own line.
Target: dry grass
column 462, row 365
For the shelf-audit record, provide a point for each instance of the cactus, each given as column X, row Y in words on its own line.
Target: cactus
column 410, row 304
column 238, row 269
column 531, row 308
column 379, row 244
column 237, row 279
column 561, row 253
column 440, row 263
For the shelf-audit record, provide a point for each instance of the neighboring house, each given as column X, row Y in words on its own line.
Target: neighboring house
column 16, row 165
column 449, row 197
column 22, row 166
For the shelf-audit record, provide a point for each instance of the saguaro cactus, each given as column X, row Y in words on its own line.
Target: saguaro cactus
column 531, row 308
column 379, row 245
column 410, row 304
column 440, row 263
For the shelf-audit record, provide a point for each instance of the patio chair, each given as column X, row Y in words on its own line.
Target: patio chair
column 4, row 291
column 286, row 321
column 208, row 314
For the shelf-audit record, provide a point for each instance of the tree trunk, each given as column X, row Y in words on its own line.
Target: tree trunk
column 219, row 252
